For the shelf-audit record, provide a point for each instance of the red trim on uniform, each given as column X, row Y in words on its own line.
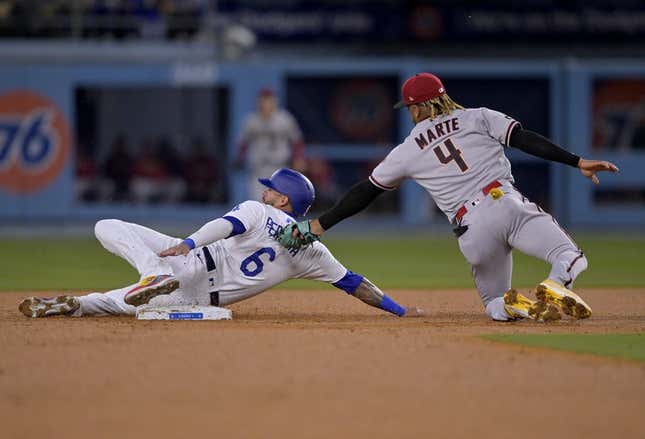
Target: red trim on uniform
column 485, row 190
column 461, row 212
column 380, row 185
column 490, row 186
column 507, row 138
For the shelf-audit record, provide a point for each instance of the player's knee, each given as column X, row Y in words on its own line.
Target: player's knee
column 103, row 228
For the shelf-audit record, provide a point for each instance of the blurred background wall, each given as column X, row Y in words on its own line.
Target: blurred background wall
column 135, row 109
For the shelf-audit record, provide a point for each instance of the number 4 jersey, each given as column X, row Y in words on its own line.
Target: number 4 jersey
column 252, row 260
column 453, row 156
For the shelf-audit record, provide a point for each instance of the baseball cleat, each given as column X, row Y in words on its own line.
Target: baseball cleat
column 568, row 301
column 49, row 306
column 149, row 287
column 518, row 306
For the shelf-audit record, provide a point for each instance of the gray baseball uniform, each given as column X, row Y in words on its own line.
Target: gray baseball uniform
column 459, row 159
column 269, row 145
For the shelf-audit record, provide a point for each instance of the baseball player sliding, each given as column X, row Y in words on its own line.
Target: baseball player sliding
column 228, row 260
column 457, row 155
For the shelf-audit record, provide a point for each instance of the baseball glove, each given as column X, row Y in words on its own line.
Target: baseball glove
column 297, row 235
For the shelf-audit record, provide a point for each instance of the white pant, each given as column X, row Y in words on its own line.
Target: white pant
column 140, row 246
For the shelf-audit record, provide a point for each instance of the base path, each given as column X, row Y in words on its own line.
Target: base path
column 318, row 364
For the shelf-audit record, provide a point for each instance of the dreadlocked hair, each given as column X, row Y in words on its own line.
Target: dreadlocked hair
column 440, row 106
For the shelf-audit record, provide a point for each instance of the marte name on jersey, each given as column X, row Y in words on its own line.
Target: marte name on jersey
column 441, row 129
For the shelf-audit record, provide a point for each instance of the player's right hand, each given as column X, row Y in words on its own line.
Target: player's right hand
column 590, row 167
column 178, row 250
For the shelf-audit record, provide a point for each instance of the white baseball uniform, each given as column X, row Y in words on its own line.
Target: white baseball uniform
column 457, row 158
column 269, row 143
column 241, row 266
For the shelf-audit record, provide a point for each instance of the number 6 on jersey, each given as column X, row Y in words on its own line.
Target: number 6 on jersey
column 255, row 262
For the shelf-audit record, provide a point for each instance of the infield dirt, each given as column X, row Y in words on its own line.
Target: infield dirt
column 317, row 364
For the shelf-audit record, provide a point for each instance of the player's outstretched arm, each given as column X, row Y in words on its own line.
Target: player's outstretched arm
column 215, row 230
column 372, row 295
column 305, row 232
column 539, row 146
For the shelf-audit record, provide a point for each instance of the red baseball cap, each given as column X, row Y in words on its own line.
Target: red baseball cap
column 419, row 88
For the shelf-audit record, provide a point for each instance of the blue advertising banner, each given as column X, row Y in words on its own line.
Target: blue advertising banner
column 446, row 21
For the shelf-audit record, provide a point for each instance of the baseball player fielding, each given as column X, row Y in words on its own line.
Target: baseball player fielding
column 457, row 155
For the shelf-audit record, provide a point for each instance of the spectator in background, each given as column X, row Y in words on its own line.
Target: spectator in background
column 117, row 170
column 270, row 139
column 153, row 181
column 202, row 174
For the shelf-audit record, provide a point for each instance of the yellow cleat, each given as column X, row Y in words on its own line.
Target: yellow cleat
column 150, row 287
column 568, row 301
column 518, row 306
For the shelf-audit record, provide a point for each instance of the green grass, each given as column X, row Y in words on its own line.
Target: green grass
column 420, row 261
column 631, row 346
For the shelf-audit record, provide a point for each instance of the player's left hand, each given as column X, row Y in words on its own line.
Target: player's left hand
column 178, row 250
column 414, row 311
column 588, row 168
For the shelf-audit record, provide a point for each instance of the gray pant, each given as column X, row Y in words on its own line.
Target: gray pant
column 495, row 227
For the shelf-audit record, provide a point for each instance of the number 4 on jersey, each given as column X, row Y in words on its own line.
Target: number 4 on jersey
column 453, row 154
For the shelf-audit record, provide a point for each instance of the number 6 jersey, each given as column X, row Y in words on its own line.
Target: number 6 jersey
column 453, row 156
column 253, row 260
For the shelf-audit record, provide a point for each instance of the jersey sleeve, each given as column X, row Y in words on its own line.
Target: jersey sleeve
column 390, row 172
column 245, row 216
column 317, row 263
column 498, row 125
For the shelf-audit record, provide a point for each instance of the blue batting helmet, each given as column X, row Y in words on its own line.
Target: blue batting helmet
column 294, row 185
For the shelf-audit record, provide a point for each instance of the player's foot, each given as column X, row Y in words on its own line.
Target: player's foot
column 49, row 306
column 568, row 301
column 518, row 306
column 150, row 287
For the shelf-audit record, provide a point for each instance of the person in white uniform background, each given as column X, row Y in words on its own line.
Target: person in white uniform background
column 229, row 259
column 457, row 155
column 270, row 139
